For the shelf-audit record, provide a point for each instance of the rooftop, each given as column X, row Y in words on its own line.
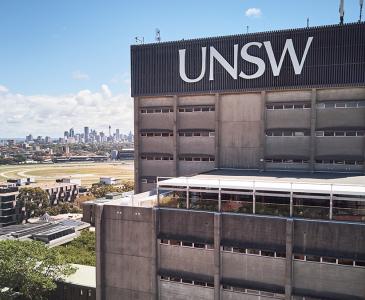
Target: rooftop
column 84, row 276
column 340, row 183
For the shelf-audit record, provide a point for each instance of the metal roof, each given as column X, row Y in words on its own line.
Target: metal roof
column 323, row 183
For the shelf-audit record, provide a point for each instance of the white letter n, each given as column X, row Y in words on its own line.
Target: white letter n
column 182, row 66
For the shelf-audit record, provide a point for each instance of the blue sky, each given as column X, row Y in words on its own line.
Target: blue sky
column 57, row 49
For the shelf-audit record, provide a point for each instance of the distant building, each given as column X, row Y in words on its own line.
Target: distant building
column 114, row 154
column 47, row 140
column 86, row 134
column 8, row 208
column 29, row 138
column 108, row 180
column 80, row 285
column 72, row 132
column 66, row 149
column 126, row 154
column 52, row 233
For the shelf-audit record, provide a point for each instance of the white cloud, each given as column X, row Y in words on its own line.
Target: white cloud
column 53, row 114
column 78, row 75
column 106, row 91
column 3, row 89
column 253, row 12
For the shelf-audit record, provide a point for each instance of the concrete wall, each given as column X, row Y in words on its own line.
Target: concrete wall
column 328, row 281
column 196, row 144
column 288, row 146
column 228, row 295
column 157, row 168
column 157, row 120
column 254, row 269
column 288, row 96
column 259, row 232
column 174, row 258
column 291, row 119
column 340, row 118
column 191, row 120
column 340, row 147
column 239, row 122
column 194, row 167
column 156, row 144
column 240, row 136
column 125, row 256
column 178, row 291
column 129, row 260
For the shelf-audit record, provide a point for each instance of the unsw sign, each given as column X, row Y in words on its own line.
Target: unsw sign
column 303, row 58
column 260, row 63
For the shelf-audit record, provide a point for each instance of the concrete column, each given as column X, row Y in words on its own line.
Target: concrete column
column 262, row 163
column 312, row 147
column 217, row 130
column 99, row 250
column 155, row 283
column 289, row 258
column 217, row 255
column 175, row 137
column 187, row 198
column 137, row 156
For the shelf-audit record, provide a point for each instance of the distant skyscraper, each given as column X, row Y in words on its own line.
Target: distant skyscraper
column 117, row 134
column 110, row 130
column 29, row 138
column 72, row 132
column 86, row 134
column 66, row 135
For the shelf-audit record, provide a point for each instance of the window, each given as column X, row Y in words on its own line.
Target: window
column 190, row 109
column 157, row 110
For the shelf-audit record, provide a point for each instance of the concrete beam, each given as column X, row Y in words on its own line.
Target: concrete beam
column 175, row 138
column 289, row 258
column 313, row 120
column 217, row 130
column 136, row 146
column 217, row 255
column 262, row 163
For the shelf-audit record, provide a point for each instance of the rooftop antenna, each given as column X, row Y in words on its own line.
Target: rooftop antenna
column 342, row 11
column 139, row 40
column 158, row 35
column 307, row 22
column 247, row 29
column 361, row 4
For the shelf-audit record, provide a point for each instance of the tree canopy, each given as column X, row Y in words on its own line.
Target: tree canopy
column 29, row 269
column 34, row 200
column 81, row 250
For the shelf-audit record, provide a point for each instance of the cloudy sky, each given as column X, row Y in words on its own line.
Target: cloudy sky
column 66, row 63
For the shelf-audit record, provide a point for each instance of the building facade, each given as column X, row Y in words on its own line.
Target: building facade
column 8, row 209
column 217, row 120
column 306, row 111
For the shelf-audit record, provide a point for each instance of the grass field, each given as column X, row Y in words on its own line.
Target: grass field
column 88, row 172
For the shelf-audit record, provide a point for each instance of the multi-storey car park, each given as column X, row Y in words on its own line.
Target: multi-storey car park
column 8, row 209
column 217, row 121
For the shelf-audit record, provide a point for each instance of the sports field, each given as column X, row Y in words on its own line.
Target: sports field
column 88, row 172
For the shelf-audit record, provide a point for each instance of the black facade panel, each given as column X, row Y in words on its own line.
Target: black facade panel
column 336, row 57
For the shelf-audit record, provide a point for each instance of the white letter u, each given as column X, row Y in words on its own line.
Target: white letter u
column 182, row 66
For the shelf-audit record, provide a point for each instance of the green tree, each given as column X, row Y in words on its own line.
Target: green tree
column 81, row 250
column 29, row 269
column 34, row 200
column 99, row 190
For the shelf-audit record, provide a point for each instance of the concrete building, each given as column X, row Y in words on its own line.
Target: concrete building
column 8, row 208
column 310, row 121
column 231, row 234
column 80, row 285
